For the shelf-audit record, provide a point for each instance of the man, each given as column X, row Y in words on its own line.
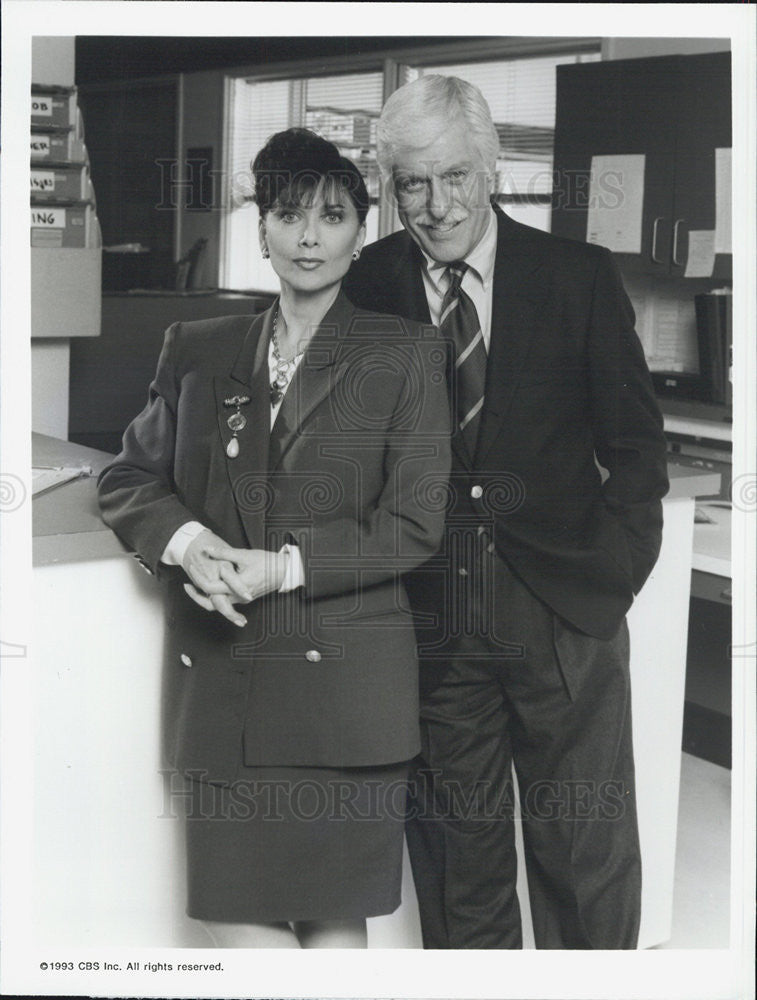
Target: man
column 554, row 523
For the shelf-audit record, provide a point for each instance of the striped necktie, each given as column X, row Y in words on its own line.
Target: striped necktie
column 459, row 323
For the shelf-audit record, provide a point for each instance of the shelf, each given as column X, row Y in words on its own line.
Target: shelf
column 696, row 428
column 713, row 413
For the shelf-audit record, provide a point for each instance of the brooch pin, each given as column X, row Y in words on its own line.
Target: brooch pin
column 236, row 422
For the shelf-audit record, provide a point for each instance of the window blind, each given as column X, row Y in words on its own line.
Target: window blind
column 521, row 93
column 258, row 109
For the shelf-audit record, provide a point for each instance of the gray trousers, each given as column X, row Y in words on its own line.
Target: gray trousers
column 514, row 684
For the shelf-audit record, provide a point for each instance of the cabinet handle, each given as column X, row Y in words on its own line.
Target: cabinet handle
column 676, row 228
column 655, row 224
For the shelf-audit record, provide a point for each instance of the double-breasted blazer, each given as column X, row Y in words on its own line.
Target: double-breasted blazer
column 567, row 390
column 325, row 674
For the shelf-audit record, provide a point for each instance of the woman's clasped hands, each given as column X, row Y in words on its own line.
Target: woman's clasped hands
column 223, row 576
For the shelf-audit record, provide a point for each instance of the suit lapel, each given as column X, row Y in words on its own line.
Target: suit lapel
column 405, row 294
column 516, row 298
column 323, row 364
column 248, row 379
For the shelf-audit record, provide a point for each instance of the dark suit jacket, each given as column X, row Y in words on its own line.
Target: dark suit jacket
column 325, row 675
column 566, row 381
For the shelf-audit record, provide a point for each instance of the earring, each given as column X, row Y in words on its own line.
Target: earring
column 265, row 253
column 356, row 255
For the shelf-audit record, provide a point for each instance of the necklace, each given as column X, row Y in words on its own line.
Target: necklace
column 284, row 367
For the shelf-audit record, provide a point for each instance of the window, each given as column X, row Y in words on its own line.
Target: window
column 521, row 95
column 344, row 107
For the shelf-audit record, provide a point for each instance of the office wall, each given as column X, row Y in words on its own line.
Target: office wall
column 130, row 132
column 637, row 48
column 53, row 60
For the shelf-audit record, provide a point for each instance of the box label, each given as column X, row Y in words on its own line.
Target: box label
column 42, row 106
column 49, row 218
column 42, row 180
column 40, row 145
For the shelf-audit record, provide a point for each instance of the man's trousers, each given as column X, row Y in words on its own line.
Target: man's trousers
column 513, row 684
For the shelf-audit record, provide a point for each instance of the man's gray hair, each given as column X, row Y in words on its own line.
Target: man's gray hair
column 419, row 112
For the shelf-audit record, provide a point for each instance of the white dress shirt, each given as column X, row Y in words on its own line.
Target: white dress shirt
column 477, row 280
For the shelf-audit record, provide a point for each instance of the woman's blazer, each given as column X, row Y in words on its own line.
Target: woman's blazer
column 353, row 472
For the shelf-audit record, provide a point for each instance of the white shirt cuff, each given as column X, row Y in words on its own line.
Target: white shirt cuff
column 294, row 575
column 173, row 554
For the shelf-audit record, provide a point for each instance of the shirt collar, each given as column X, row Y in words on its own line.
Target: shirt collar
column 480, row 259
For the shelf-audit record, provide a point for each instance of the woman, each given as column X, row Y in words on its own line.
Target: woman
column 282, row 476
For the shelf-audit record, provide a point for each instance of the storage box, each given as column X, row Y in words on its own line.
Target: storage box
column 63, row 226
column 66, row 292
column 57, row 147
column 54, row 108
column 58, row 184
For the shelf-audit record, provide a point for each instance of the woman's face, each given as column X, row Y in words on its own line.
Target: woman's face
column 311, row 245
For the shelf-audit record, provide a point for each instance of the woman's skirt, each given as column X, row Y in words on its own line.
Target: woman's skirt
column 296, row 843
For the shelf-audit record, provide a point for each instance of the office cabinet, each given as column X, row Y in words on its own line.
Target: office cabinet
column 675, row 111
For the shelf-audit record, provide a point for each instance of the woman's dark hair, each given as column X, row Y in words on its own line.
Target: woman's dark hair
column 292, row 165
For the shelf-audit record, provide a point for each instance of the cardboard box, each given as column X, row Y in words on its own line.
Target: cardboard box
column 66, row 292
column 58, row 184
column 57, row 147
column 63, row 226
column 54, row 108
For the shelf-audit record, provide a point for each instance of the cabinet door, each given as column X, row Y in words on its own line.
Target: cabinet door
column 572, row 196
column 619, row 108
column 704, row 125
column 676, row 111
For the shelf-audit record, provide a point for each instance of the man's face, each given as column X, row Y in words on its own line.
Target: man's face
column 443, row 193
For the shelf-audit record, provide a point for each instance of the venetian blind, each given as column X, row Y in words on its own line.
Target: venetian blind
column 521, row 94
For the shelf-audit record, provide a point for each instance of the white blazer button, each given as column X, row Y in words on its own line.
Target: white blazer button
column 477, row 492
column 313, row 656
column 186, row 660
column 463, row 571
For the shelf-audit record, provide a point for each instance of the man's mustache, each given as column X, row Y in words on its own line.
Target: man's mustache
column 448, row 220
